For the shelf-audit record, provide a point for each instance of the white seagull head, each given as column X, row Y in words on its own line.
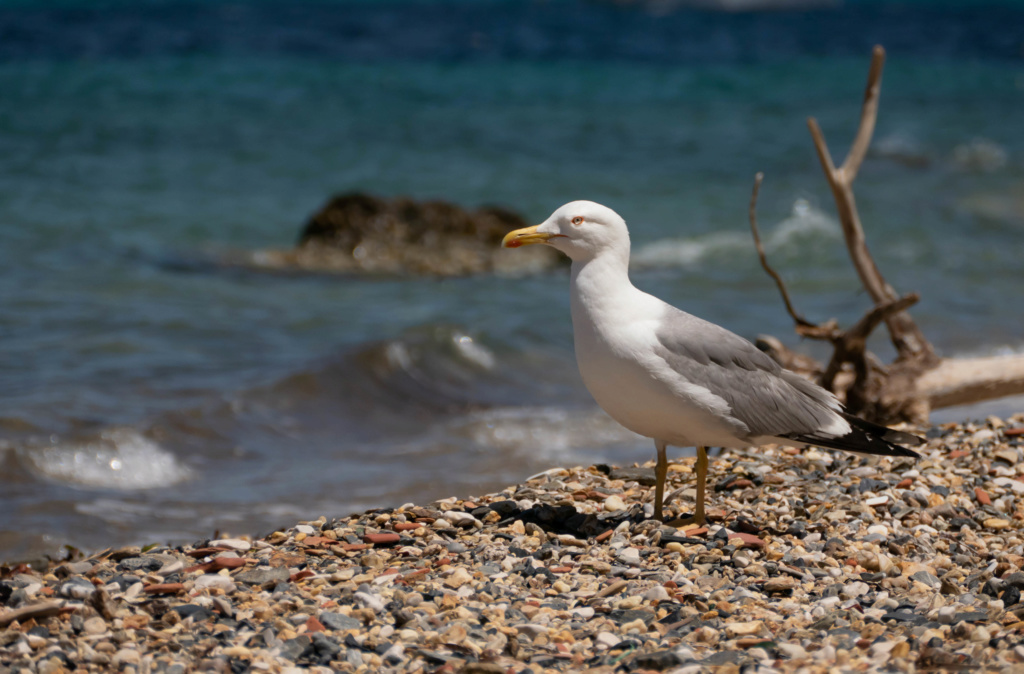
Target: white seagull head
column 580, row 229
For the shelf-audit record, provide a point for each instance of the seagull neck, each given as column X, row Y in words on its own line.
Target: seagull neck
column 600, row 283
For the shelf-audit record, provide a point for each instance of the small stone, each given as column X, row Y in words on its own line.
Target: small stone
column 779, row 584
column 461, row 519
column 370, row 601
column 657, row 593
column 996, row 523
column 792, row 651
column 126, row 656
column 458, row 578
column 382, row 539
column 629, row 603
column 744, row 629
column 926, row 578
column 742, row 540
column 215, row 580
column 339, row 622
column 264, row 574
column 614, row 504
column 982, row 496
column 232, row 543
column 94, row 625
column 630, row 556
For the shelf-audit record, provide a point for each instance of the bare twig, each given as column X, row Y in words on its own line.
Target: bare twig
column 906, row 336
column 800, row 320
column 868, row 116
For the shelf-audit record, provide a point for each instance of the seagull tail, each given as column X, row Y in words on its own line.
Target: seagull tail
column 866, row 438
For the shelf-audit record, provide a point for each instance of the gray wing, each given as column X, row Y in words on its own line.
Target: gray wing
column 766, row 399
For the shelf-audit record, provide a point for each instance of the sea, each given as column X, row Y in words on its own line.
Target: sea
column 151, row 394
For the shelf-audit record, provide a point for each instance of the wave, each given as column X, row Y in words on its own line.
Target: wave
column 805, row 222
column 118, row 458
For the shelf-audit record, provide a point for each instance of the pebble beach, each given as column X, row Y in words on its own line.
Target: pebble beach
column 812, row 561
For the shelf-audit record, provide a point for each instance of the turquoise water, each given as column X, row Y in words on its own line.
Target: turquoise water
column 147, row 394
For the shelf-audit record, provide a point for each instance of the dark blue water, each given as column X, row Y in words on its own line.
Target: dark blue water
column 147, row 394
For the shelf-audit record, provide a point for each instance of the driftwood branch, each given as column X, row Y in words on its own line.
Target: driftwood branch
column 851, row 345
column 906, row 336
column 918, row 380
column 797, row 318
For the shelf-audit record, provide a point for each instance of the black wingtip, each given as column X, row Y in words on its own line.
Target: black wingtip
column 868, row 438
column 884, row 432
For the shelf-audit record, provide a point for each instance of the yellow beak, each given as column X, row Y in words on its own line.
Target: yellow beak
column 526, row 236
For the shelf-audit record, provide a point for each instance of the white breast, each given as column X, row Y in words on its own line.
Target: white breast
column 618, row 362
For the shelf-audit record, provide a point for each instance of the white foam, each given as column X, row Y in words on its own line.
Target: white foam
column 557, row 432
column 804, row 221
column 119, row 458
column 473, row 351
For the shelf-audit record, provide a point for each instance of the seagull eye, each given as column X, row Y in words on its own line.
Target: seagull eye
column 577, row 221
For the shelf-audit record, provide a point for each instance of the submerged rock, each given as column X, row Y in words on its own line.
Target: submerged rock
column 360, row 233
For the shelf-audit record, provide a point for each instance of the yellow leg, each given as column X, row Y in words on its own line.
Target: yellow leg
column 660, row 471
column 702, row 476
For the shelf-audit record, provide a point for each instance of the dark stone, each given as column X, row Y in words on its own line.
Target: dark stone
column 324, row 648
column 125, row 581
column 970, row 617
column 40, row 631
column 875, row 577
column 926, row 578
column 142, row 564
column 294, row 648
column 797, row 528
column 263, row 574
column 992, row 587
column 843, row 637
column 433, row 657
column 939, row 489
column 364, row 233
column 726, row 658
column 339, row 622
column 68, row 587
column 622, row 617
column 959, row 522
column 480, row 513
column 1015, row 579
column 17, row 597
column 6, row 590
column 871, row 484
column 644, row 476
column 658, row 660
column 513, row 615
column 905, row 617
column 504, row 508
column 194, row 611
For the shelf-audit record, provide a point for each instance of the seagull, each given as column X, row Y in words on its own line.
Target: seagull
column 676, row 378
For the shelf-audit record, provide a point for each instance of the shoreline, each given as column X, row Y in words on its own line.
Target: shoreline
column 811, row 559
